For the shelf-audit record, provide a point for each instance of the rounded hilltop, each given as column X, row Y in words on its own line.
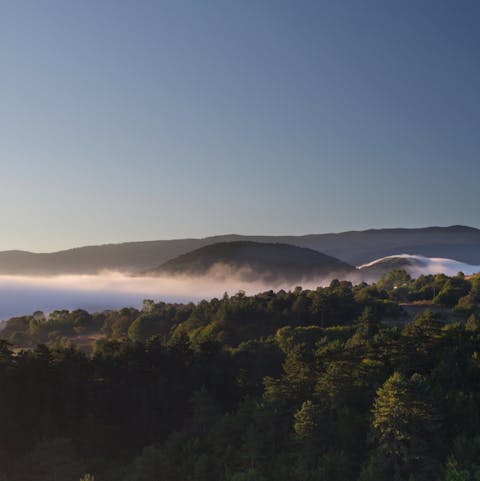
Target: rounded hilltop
column 255, row 261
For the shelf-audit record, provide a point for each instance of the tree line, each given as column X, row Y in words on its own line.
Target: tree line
column 304, row 385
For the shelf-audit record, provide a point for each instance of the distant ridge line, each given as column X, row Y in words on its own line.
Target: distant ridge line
column 461, row 243
column 248, row 236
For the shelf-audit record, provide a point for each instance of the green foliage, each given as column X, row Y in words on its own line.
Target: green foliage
column 395, row 279
column 50, row 459
column 248, row 475
column 239, row 318
column 305, row 385
column 307, row 421
column 452, row 291
column 472, row 324
column 464, row 461
column 404, row 421
column 87, row 477
column 376, row 468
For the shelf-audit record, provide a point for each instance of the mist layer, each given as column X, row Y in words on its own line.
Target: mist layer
column 21, row 295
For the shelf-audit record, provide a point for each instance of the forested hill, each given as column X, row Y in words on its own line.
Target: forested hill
column 305, row 385
column 354, row 247
column 253, row 261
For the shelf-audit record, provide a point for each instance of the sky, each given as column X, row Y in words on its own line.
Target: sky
column 139, row 120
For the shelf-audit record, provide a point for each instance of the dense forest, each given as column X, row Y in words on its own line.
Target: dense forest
column 339, row 383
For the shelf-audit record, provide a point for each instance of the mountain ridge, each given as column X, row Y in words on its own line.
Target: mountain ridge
column 354, row 247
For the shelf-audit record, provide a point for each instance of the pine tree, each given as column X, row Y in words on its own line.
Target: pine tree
column 404, row 421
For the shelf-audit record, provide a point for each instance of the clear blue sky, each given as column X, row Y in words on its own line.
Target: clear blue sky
column 135, row 120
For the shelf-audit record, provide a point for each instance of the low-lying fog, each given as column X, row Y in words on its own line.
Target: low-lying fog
column 429, row 265
column 21, row 295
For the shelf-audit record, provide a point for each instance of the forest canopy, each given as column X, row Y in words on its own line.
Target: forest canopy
column 368, row 383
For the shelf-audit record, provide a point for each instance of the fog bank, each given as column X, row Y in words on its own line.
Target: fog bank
column 419, row 265
column 20, row 295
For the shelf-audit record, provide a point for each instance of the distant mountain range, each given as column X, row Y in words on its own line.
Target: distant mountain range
column 255, row 261
column 355, row 248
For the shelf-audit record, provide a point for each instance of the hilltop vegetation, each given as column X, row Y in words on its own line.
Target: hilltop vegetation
column 289, row 386
column 239, row 318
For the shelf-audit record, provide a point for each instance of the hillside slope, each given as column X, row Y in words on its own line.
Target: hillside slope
column 253, row 261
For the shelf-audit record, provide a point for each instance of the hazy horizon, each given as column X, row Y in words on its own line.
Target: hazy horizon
column 222, row 234
column 24, row 294
column 150, row 120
